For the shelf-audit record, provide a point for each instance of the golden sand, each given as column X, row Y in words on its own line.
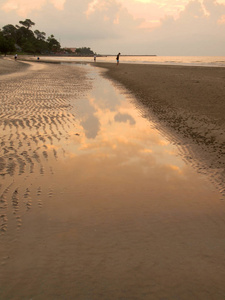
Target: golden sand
column 94, row 202
column 187, row 102
column 8, row 66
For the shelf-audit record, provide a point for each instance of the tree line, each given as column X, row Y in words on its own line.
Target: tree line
column 22, row 39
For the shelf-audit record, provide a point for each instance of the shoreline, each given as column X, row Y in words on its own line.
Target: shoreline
column 9, row 66
column 184, row 102
column 89, row 184
column 187, row 103
column 202, row 61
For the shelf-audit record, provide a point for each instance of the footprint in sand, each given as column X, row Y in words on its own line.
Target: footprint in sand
column 3, row 223
column 15, row 200
column 50, row 194
column 39, row 194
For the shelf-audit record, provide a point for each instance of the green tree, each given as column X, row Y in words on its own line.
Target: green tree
column 10, row 32
column 78, row 50
column 25, row 36
column 84, row 51
column 40, row 35
column 41, row 46
column 25, row 33
column 27, row 23
column 68, row 50
column 6, row 45
column 29, row 47
column 29, row 41
column 53, row 44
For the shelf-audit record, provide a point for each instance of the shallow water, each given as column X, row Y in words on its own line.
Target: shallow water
column 104, row 207
column 207, row 61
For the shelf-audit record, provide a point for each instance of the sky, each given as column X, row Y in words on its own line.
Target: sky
column 160, row 27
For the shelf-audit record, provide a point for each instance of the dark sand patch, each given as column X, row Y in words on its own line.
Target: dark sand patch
column 9, row 66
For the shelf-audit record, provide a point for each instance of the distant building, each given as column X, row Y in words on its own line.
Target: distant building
column 73, row 50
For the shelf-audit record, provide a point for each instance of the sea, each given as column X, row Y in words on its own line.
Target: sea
column 207, row 61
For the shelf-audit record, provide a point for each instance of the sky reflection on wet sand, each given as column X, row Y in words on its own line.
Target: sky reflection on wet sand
column 126, row 217
column 111, row 135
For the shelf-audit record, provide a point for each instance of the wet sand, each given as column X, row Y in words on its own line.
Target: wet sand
column 9, row 66
column 187, row 103
column 83, row 214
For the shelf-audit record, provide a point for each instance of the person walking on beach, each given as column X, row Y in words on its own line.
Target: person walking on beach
column 15, row 57
column 118, row 58
column 95, row 58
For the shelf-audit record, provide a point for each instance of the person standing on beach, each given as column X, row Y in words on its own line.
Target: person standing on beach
column 118, row 58
column 95, row 58
column 15, row 57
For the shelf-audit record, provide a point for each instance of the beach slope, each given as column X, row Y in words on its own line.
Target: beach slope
column 9, row 66
column 187, row 102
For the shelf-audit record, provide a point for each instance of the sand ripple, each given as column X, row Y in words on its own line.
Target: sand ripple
column 35, row 120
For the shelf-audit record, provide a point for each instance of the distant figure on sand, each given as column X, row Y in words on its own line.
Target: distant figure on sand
column 118, row 58
column 15, row 57
column 95, row 57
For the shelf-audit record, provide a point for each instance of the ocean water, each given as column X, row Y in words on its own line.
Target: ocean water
column 212, row 61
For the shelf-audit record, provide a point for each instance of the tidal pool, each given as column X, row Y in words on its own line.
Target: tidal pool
column 104, row 207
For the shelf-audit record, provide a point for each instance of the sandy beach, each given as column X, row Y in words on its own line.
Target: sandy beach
column 104, row 195
column 188, row 103
column 8, row 66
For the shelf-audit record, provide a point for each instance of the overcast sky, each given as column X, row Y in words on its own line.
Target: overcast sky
column 161, row 27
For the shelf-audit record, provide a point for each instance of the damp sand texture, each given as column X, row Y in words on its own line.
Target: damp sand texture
column 187, row 102
column 95, row 202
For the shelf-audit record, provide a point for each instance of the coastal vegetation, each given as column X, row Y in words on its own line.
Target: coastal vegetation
column 21, row 38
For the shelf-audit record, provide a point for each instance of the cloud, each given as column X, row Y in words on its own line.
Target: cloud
column 107, row 27
column 151, row 11
column 59, row 4
column 167, row 27
column 197, row 31
column 91, row 126
column 24, row 7
column 123, row 118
